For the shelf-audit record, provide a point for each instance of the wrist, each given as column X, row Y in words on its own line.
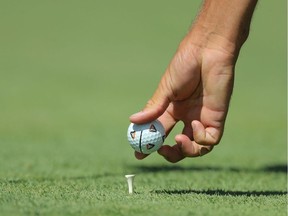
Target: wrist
column 223, row 24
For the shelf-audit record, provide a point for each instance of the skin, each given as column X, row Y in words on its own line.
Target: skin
column 197, row 85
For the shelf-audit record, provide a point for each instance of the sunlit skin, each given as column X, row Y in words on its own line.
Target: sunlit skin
column 196, row 87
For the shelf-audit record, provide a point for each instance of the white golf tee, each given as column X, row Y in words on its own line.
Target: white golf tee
column 130, row 183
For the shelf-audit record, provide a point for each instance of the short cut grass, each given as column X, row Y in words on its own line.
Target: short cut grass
column 71, row 74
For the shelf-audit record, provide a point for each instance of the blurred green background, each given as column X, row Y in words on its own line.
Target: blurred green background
column 71, row 73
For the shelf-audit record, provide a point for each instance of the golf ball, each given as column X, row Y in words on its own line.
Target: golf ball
column 146, row 138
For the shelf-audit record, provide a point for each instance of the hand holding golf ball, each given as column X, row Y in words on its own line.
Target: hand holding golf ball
column 146, row 138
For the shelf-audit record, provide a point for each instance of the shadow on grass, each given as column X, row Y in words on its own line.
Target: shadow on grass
column 221, row 192
column 60, row 178
column 278, row 168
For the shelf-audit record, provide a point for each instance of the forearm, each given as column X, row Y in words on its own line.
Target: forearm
column 223, row 23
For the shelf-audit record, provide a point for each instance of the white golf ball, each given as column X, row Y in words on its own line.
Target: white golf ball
column 146, row 138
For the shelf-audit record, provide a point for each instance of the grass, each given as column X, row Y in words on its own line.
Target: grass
column 69, row 80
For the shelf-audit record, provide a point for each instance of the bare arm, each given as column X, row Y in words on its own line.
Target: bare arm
column 225, row 22
column 197, row 84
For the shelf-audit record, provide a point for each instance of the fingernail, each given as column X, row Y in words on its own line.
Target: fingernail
column 136, row 114
column 194, row 125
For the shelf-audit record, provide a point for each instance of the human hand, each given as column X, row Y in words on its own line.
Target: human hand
column 197, row 85
column 196, row 90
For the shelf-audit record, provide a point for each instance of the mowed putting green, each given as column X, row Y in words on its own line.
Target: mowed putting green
column 71, row 74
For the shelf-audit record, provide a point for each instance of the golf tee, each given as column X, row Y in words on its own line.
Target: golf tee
column 130, row 183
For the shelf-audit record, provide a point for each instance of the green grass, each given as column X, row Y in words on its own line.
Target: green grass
column 72, row 73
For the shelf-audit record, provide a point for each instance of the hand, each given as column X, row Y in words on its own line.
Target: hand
column 195, row 89
column 197, row 85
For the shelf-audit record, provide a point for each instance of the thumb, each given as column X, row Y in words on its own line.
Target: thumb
column 154, row 108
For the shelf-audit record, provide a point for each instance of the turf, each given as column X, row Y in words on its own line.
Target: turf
column 72, row 73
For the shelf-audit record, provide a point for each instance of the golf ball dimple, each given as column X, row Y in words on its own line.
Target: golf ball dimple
column 146, row 138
